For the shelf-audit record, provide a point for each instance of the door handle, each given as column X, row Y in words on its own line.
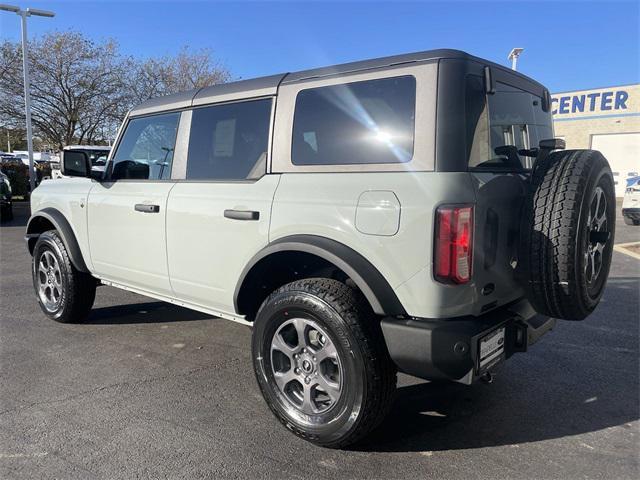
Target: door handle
column 143, row 207
column 242, row 214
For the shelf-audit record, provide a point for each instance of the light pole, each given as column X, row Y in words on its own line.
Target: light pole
column 25, row 67
column 513, row 56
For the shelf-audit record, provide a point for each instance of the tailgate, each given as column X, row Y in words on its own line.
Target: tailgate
column 499, row 201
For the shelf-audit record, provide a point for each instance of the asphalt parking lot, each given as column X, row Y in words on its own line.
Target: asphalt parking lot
column 149, row 390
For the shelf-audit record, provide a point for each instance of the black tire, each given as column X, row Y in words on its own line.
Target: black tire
column 565, row 251
column 368, row 375
column 76, row 290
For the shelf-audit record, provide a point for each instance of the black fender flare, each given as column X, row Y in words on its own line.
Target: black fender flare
column 367, row 278
column 61, row 224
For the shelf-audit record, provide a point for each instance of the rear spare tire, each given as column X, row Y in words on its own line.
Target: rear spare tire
column 567, row 233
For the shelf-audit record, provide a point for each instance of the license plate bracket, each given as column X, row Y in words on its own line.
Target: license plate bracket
column 491, row 349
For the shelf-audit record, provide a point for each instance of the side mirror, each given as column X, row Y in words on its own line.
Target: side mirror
column 552, row 144
column 75, row 163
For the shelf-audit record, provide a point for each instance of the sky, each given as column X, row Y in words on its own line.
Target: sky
column 569, row 45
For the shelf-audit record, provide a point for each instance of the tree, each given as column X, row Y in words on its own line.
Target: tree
column 81, row 89
column 187, row 70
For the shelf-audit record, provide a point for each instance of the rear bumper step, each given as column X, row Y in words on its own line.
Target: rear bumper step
column 448, row 349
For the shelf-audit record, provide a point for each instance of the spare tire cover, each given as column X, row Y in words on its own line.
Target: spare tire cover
column 567, row 233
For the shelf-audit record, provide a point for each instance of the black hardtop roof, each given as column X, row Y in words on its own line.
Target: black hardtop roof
column 263, row 84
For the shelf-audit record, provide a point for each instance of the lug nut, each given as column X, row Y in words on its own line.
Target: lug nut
column 296, row 371
column 307, row 379
column 314, row 359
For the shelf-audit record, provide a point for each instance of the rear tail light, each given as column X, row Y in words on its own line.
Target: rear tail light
column 454, row 243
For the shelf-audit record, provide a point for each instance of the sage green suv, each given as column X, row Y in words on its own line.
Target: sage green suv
column 410, row 213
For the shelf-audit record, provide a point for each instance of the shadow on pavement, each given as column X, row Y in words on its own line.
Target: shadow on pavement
column 151, row 312
column 555, row 393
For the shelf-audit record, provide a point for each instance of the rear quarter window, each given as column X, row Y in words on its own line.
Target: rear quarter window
column 367, row 122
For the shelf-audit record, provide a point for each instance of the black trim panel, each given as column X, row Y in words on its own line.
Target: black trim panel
column 368, row 279
column 447, row 348
column 66, row 233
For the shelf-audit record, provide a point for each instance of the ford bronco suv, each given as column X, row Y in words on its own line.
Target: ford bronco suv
column 410, row 213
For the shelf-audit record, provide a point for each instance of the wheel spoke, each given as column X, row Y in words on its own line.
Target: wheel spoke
column 587, row 265
column 328, row 350
column 592, row 267
column 307, row 400
column 597, row 198
column 284, row 378
column 279, row 344
column 330, row 388
column 300, row 326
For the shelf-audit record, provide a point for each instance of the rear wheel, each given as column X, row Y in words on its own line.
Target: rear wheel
column 568, row 233
column 65, row 294
column 321, row 362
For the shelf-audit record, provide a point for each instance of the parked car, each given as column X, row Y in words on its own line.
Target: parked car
column 97, row 154
column 631, row 202
column 8, row 157
column 18, row 175
column 38, row 157
column 6, row 203
column 405, row 213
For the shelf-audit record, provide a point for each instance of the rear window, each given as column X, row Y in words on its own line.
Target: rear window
column 500, row 124
column 367, row 122
column 229, row 141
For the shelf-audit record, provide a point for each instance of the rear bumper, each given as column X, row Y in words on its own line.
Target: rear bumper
column 632, row 213
column 448, row 349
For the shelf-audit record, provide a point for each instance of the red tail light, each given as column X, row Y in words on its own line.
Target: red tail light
column 454, row 243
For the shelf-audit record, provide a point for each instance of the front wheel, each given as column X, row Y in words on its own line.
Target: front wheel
column 321, row 362
column 65, row 294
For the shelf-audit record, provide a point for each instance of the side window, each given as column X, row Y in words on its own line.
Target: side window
column 367, row 122
column 229, row 142
column 146, row 149
column 500, row 124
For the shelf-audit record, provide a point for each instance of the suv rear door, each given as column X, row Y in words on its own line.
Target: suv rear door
column 218, row 215
column 508, row 120
column 127, row 211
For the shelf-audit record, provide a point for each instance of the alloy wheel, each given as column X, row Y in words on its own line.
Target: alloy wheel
column 598, row 235
column 306, row 366
column 49, row 281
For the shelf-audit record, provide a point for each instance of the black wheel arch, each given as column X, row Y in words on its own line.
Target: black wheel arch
column 364, row 275
column 52, row 219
